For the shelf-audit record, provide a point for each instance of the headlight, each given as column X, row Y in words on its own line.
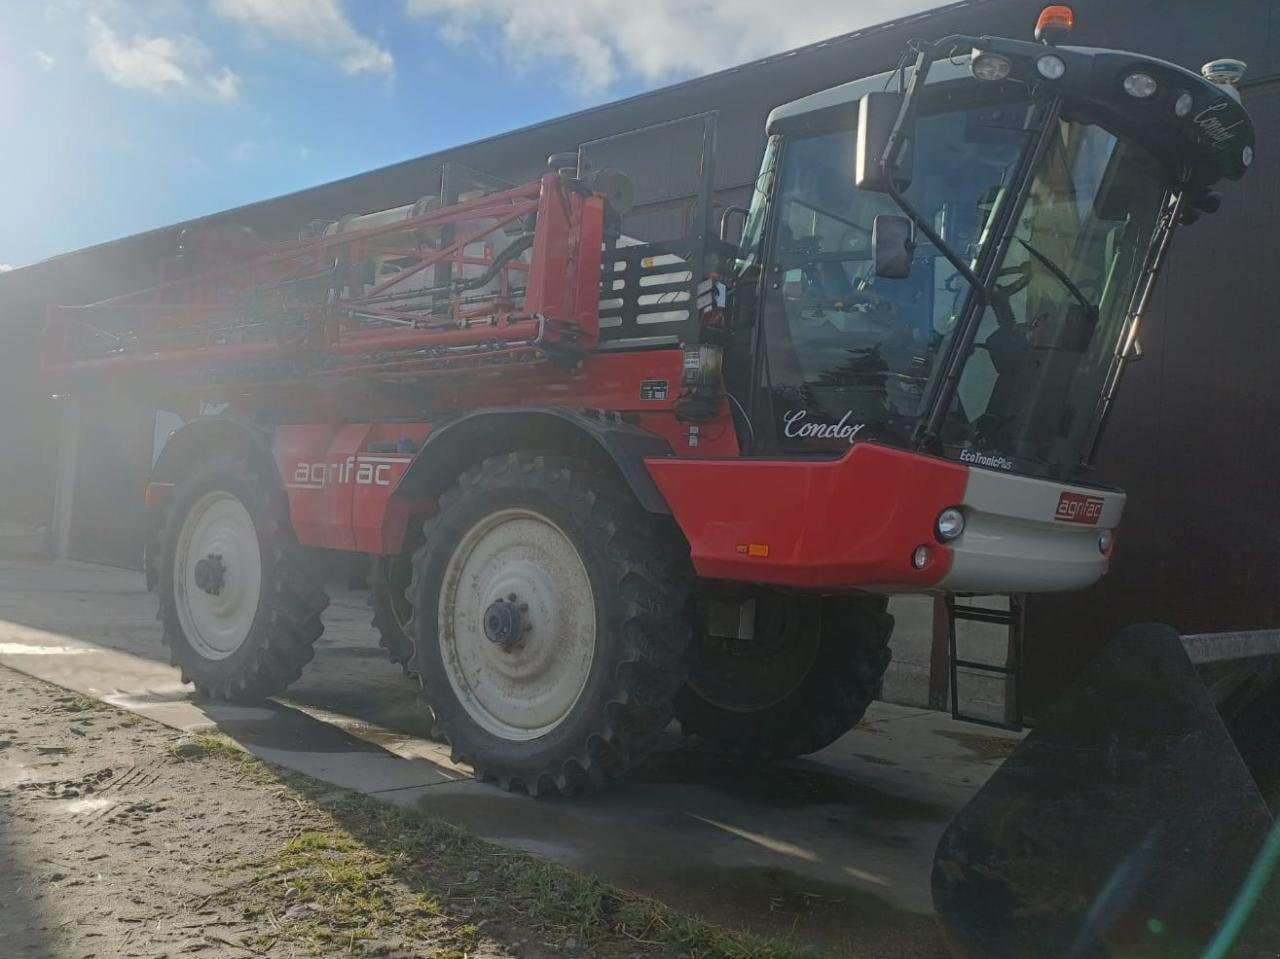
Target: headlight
column 1140, row 85
column 1246, row 155
column 1104, row 541
column 921, row 557
column 950, row 524
column 989, row 66
column 1182, row 105
column 1051, row 67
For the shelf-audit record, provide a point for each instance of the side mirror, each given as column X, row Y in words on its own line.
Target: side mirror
column 892, row 245
column 877, row 116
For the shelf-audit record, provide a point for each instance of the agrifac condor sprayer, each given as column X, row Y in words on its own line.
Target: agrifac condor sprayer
column 608, row 478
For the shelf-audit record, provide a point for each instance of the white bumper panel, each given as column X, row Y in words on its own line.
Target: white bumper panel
column 1022, row 535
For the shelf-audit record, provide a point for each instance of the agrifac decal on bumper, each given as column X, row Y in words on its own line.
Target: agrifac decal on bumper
column 1078, row 508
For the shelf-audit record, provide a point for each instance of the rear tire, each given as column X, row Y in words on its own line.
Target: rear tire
column 795, row 689
column 239, row 603
column 568, row 683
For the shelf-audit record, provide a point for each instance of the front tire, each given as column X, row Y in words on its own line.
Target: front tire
column 805, row 680
column 549, row 623
column 239, row 603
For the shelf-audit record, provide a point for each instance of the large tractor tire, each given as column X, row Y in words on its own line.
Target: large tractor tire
column 389, row 581
column 802, row 682
column 549, row 623
column 239, row 603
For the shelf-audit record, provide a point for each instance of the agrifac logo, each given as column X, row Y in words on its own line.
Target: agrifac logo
column 1078, row 508
column 359, row 470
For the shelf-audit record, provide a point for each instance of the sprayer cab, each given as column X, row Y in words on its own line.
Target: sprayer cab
column 958, row 253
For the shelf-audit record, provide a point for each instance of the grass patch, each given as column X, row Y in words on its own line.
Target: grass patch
column 76, row 703
column 203, row 747
column 370, row 870
column 323, row 887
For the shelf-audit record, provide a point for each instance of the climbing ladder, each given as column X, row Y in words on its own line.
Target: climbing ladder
column 1013, row 619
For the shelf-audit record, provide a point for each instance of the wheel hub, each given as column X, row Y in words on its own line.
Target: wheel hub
column 505, row 622
column 217, row 575
column 516, row 624
column 750, row 675
column 211, row 574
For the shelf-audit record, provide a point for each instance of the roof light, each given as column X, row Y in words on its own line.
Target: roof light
column 1055, row 24
column 1140, row 85
column 989, row 66
column 1226, row 72
column 1051, row 67
column 1182, row 105
column 1246, row 155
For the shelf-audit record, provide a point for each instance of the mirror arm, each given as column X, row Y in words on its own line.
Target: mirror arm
column 889, row 162
column 724, row 219
column 926, row 54
column 942, row 245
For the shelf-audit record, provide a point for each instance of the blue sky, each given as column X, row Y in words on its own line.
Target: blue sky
column 120, row 116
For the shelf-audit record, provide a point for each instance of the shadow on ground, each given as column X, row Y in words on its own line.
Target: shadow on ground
column 24, row 930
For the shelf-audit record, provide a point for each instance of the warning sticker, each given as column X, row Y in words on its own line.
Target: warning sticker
column 653, row 389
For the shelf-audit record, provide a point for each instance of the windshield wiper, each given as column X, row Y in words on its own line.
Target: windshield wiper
column 1062, row 278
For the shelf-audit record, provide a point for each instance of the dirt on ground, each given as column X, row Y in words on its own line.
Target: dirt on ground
column 123, row 838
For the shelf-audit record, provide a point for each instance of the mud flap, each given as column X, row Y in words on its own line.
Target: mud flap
column 1124, row 824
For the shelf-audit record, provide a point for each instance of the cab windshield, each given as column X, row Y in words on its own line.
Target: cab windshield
column 850, row 356
column 1031, row 386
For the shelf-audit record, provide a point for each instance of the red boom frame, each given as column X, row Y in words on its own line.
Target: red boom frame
column 341, row 326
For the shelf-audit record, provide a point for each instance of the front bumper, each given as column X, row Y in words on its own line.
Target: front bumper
column 855, row 523
column 1026, row 535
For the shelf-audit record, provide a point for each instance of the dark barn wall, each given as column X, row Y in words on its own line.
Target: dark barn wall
column 113, row 460
column 1195, row 440
column 29, row 423
column 1191, row 438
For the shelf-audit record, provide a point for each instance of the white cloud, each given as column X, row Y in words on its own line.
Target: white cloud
column 246, row 150
column 319, row 26
column 5, row 267
column 45, row 60
column 225, row 84
column 157, row 64
column 657, row 40
column 153, row 64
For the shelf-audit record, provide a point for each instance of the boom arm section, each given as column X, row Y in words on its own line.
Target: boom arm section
column 522, row 288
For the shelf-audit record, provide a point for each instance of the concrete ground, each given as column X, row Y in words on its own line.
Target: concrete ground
column 832, row 845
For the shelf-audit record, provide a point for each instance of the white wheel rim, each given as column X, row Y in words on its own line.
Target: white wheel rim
column 523, row 689
column 217, row 620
